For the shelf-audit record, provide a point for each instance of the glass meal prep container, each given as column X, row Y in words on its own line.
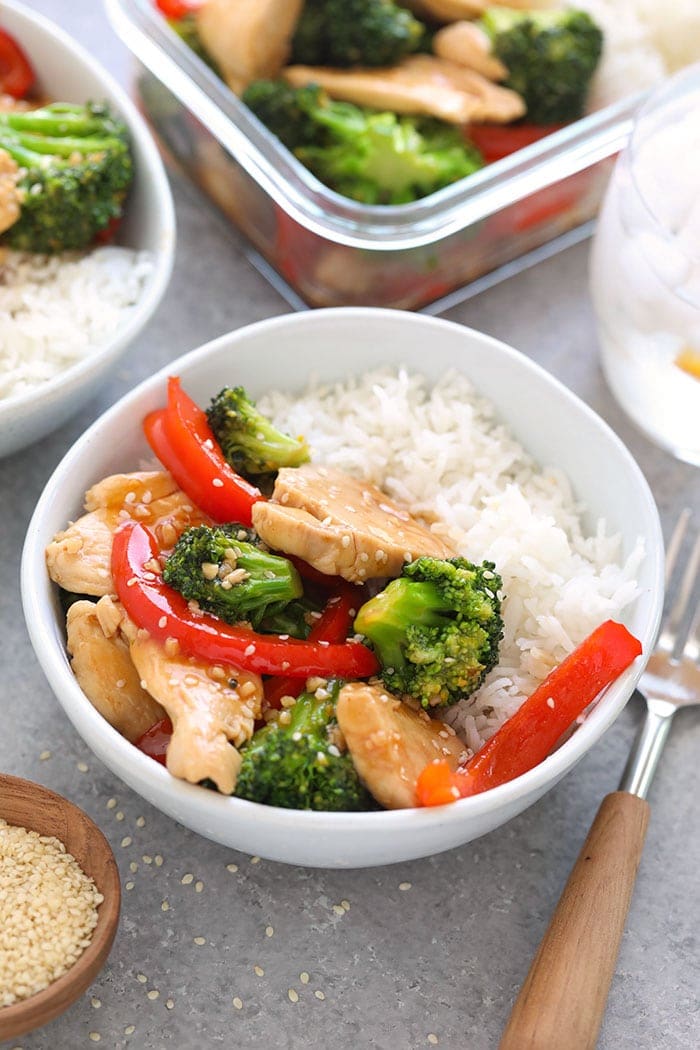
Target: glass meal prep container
column 322, row 249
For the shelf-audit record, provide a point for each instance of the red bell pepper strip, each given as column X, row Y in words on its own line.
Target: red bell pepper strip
column 184, row 443
column 333, row 626
column 16, row 73
column 496, row 141
column 177, row 9
column 154, row 742
column 164, row 613
column 530, row 734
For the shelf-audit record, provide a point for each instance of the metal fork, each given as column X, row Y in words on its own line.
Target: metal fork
column 561, row 1004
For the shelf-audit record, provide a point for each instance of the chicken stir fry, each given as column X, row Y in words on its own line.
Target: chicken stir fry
column 385, row 101
column 226, row 621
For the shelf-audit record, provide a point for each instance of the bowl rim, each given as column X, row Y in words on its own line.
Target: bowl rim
column 537, row 779
column 61, row 993
column 152, row 168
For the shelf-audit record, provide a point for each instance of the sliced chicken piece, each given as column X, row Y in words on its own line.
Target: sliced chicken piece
column 420, row 84
column 453, row 10
column 465, row 44
column 105, row 671
column 79, row 559
column 248, row 39
column 390, row 743
column 340, row 525
column 10, row 193
column 212, row 709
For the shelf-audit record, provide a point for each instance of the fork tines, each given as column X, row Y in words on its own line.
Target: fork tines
column 681, row 622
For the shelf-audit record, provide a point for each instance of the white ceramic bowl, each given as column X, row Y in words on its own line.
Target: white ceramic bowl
column 554, row 425
column 68, row 73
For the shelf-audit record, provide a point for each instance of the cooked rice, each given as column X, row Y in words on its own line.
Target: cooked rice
column 445, row 454
column 56, row 310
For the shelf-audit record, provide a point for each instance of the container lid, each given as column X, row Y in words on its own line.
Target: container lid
column 326, row 213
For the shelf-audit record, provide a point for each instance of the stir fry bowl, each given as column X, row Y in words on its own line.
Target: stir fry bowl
column 555, row 427
column 68, row 73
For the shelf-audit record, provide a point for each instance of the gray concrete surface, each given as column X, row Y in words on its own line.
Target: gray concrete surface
column 441, row 959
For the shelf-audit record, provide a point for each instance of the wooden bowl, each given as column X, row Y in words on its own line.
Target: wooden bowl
column 36, row 808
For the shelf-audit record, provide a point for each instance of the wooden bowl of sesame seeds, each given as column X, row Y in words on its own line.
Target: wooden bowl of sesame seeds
column 25, row 806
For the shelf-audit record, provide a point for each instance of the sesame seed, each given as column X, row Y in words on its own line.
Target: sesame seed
column 255, row 860
column 140, row 822
column 237, row 1002
column 158, row 860
column 433, row 1039
column 338, row 909
column 120, row 683
column 119, row 815
column 258, row 971
column 165, row 906
column 249, row 650
column 304, row 977
column 141, row 978
column 133, row 866
column 163, row 622
column 126, row 841
column 233, row 868
column 319, row 994
column 129, row 886
column 293, row 995
column 82, row 767
column 130, row 1029
column 111, row 803
column 187, row 879
column 146, row 859
column 217, row 483
column 44, row 755
column 269, row 931
column 95, row 1036
column 404, row 886
column 200, row 940
column 345, row 904
column 550, row 702
column 95, row 1003
column 169, row 1004
column 152, row 994
column 198, row 886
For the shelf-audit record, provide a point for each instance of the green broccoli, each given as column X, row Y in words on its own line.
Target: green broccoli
column 249, row 441
column 355, row 33
column 75, row 169
column 299, row 765
column 376, row 158
column 436, row 629
column 551, row 57
column 225, row 570
column 293, row 619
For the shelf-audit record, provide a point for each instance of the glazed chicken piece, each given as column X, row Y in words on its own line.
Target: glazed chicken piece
column 79, row 559
column 422, row 84
column 453, row 10
column 212, row 709
column 340, row 525
column 105, row 671
column 465, row 44
column 248, row 39
column 390, row 743
column 10, row 194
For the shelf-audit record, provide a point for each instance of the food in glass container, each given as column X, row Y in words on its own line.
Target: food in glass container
column 309, row 623
column 377, row 103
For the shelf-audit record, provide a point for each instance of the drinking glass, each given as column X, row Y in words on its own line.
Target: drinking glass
column 645, row 270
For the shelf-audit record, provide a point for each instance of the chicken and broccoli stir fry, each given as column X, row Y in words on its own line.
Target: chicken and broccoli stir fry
column 379, row 99
column 294, row 649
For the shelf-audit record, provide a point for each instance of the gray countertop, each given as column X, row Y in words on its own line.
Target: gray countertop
column 430, row 952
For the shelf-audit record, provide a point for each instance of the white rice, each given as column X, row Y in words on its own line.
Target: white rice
column 55, row 310
column 645, row 41
column 446, row 455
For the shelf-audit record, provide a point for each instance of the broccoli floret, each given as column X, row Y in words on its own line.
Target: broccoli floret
column 436, row 630
column 299, row 765
column 376, row 158
column 293, row 619
column 355, row 33
column 75, row 170
column 249, row 441
column 231, row 577
column 551, row 57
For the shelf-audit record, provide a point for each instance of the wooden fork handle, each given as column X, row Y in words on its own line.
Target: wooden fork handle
column 562, row 1002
